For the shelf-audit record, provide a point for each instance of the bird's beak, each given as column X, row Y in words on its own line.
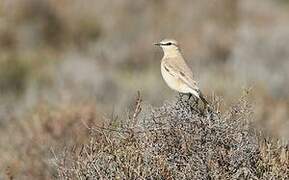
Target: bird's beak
column 157, row 44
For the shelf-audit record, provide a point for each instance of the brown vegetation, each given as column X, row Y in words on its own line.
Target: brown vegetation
column 65, row 64
column 178, row 141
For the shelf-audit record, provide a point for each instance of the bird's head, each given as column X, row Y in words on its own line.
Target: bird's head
column 169, row 46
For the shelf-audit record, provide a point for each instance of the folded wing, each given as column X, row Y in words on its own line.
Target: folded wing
column 180, row 69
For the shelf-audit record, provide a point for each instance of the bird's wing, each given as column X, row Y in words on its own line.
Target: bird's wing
column 180, row 69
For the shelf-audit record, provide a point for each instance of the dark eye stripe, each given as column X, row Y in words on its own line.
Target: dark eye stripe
column 167, row 44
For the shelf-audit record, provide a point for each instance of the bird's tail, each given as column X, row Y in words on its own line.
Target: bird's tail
column 203, row 99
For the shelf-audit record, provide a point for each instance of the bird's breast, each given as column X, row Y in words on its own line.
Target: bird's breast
column 172, row 80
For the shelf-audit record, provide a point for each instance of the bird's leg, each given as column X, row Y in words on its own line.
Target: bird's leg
column 197, row 101
column 189, row 96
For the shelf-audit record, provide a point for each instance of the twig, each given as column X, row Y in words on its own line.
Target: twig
column 137, row 109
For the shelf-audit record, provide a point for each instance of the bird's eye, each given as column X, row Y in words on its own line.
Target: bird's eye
column 169, row 43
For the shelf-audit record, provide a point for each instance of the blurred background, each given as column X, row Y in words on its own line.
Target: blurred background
column 63, row 62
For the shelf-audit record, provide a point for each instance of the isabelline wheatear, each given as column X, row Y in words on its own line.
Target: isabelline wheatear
column 176, row 72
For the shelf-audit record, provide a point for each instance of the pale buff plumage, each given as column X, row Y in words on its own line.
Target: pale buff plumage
column 176, row 72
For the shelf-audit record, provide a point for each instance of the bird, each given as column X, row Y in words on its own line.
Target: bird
column 176, row 72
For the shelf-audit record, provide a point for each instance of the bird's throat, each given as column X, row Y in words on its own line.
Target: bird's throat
column 169, row 53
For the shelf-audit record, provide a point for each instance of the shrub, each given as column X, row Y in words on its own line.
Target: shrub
column 176, row 141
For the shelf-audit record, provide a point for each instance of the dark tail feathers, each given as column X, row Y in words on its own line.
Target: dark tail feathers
column 203, row 99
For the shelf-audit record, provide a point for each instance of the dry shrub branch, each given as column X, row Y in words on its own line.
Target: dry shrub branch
column 178, row 141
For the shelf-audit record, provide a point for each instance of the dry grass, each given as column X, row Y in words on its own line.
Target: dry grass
column 177, row 141
column 28, row 143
